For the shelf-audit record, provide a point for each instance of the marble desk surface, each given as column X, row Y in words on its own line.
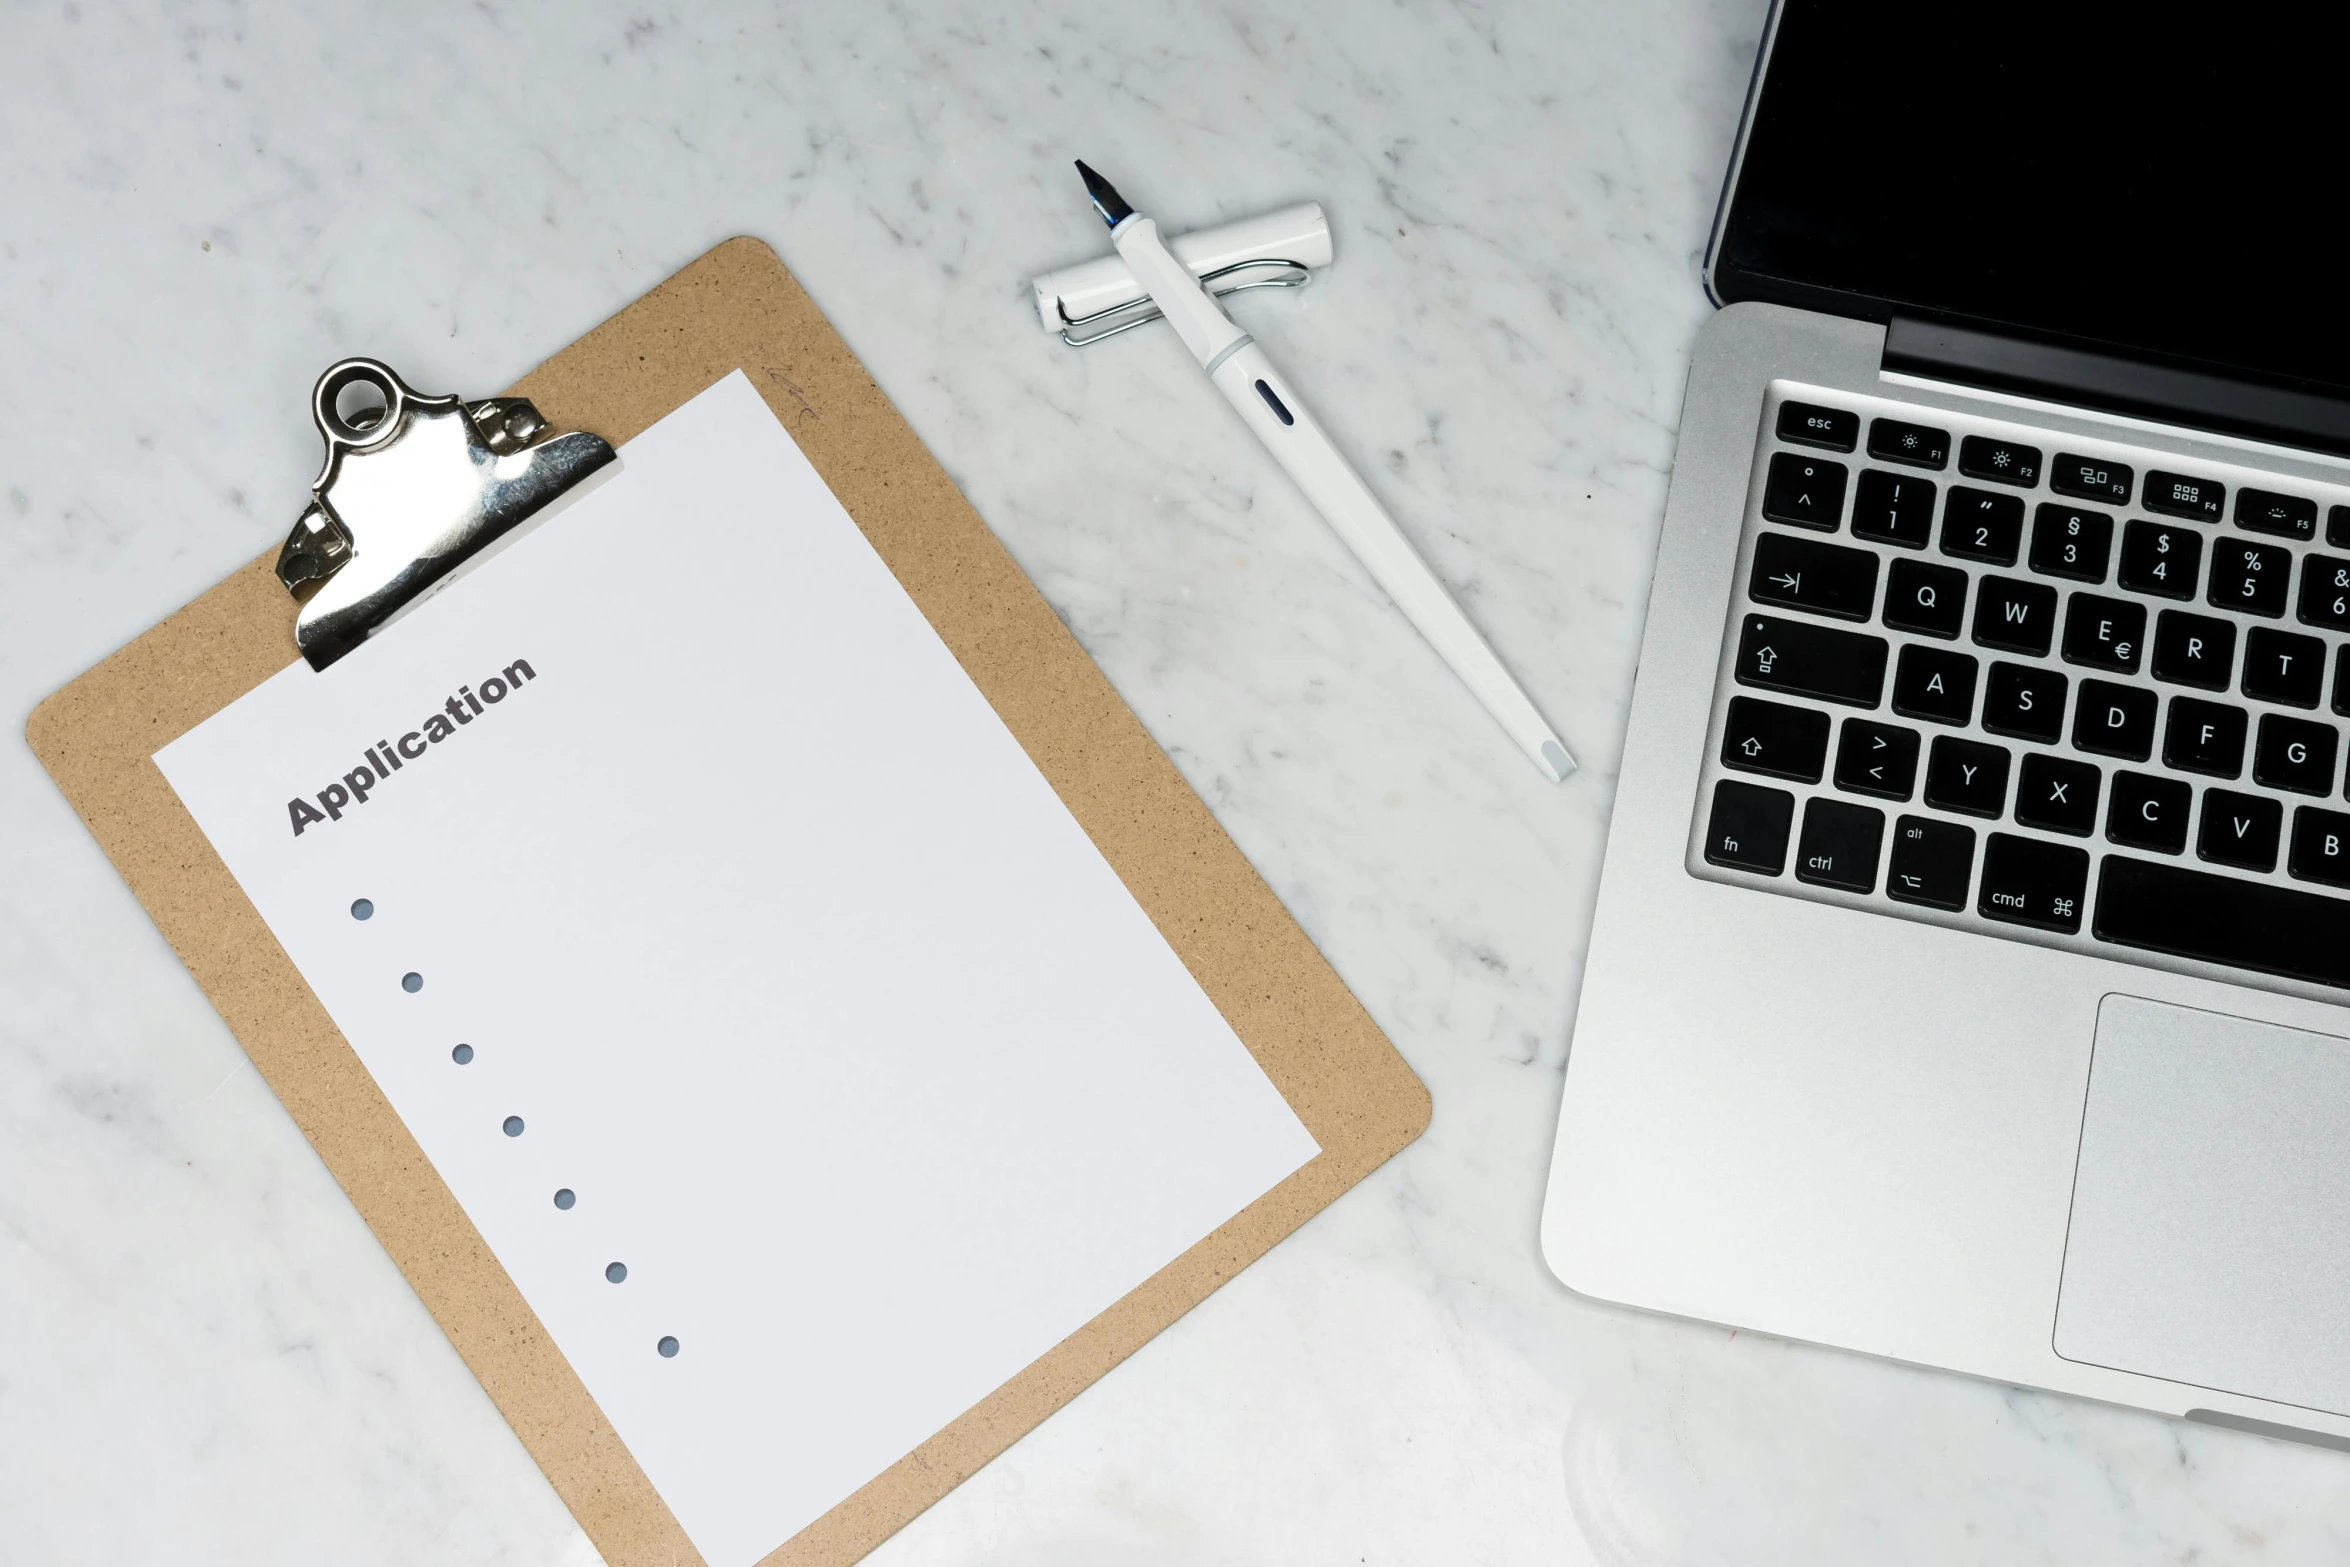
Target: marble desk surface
column 204, row 1356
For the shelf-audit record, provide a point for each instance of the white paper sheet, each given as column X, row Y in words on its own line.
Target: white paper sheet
column 853, row 1049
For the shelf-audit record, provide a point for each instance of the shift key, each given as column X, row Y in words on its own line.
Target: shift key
column 1808, row 660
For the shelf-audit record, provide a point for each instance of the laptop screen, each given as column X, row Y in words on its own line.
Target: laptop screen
column 2168, row 182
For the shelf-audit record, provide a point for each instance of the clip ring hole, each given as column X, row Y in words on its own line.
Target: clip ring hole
column 358, row 404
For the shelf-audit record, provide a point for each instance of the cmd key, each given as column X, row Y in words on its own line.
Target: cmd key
column 1778, row 654
column 2030, row 882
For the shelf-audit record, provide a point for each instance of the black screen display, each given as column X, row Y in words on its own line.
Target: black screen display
column 2165, row 181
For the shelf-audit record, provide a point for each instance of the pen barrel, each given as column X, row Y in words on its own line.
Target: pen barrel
column 1197, row 319
column 1305, row 451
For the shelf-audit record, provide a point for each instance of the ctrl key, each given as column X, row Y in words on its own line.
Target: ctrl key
column 2029, row 882
column 1748, row 828
column 1840, row 845
column 1933, row 862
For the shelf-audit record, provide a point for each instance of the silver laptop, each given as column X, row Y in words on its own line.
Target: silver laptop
column 1969, row 975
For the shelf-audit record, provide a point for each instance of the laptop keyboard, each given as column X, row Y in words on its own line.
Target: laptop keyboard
column 2037, row 687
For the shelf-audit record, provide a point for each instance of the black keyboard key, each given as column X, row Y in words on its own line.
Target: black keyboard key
column 1967, row 776
column 2150, row 812
column 1748, row 828
column 2090, row 478
column 2004, row 462
column 2240, row 830
column 1934, row 684
column 2015, row 617
column 1827, row 579
column 1770, row 737
column 1878, row 759
column 1932, row 862
column 2027, row 882
column 1840, row 845
column 2204, row 737
column 2176, row 495
column 2111, row 720
column 1918, row 444
column 1806, row 660
column 2286, row 516
column 1806, row 491
column 2104, row 633
column 2223, row 919
column 2070, row 542
column 1923, row 597
column 2342, row 680
column 2194, row 650
column 2025, row 702
column 2284, row 666
column 2160, row 559
column 1808, row 424
column 1978, row 525
column 2251, row 577
column 2321, row 846
column 2338, row 527
column 2295, row 754
column 2057, row 793
column 1894, row 508
column 2325, row 592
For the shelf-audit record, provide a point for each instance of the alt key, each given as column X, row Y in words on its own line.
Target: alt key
column 1932, row 863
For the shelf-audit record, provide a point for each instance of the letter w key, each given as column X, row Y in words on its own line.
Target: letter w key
column 2016, row 617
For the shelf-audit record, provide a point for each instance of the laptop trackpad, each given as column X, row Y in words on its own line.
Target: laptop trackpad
column 2210, row 1239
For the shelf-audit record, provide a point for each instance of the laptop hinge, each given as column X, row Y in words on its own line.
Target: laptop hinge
column 2195, row 398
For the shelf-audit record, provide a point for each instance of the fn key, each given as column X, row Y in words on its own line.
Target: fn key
column 1748, row 828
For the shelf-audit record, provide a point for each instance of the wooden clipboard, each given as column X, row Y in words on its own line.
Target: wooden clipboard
column 738, row 307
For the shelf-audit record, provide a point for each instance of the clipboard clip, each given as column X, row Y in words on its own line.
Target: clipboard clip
column 416, row 491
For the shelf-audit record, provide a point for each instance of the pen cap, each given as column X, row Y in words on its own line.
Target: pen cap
column 1300, row 234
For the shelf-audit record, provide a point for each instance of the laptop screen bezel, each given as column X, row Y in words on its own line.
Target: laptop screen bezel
column 1726, row 284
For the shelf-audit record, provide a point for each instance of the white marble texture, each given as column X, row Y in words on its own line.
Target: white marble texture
column 205, row 1358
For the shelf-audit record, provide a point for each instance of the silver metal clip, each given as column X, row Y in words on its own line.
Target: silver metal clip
column 416, row 491
column 1141, row 312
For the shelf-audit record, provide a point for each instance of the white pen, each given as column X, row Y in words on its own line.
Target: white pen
column 1265, row 400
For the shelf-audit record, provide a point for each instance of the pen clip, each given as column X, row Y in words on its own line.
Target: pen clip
column 1142, row 312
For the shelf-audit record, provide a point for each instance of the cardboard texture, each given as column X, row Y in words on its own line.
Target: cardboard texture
column 738, row 307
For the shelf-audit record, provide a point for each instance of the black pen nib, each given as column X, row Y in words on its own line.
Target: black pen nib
column 1106, row 199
